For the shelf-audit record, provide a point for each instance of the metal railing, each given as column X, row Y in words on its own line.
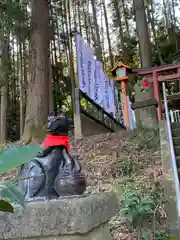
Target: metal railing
column 174, row 115
column 173, row 157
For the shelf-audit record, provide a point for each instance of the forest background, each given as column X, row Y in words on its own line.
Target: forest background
column 37, row 51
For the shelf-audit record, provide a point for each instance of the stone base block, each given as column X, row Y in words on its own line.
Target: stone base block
column 75, row 218
column 146, row 116
column 99, row 233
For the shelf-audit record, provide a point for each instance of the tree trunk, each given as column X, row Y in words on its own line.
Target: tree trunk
column 125, row 18
column 4, row 96
column 118, row 15
column 174, row 22
column 166, row 19
column 85, row 18
column 98, row 40
column 13, row 84
column 21, row 91
column 37, row 108
column 108, row 34
column 5, row 63
column 143, row 35
column 50, row 88
column 71, row 56
column 79, row 18
column 150, row 17
column 25, row 74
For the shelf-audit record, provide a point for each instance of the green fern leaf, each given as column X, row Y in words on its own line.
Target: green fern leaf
column 6, row 206
column 11, row 192
column 16, row 156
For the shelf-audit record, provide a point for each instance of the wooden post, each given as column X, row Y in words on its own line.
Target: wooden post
column 121, row 73
column 157, row 95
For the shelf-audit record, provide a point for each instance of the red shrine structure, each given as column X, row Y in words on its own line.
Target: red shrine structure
column 156, row 75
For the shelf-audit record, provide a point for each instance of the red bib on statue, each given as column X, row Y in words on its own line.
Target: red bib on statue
column 51, row 141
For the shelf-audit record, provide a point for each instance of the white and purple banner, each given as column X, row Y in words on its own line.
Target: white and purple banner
column 99, row 84
column 106, row 94
column 112, row 103
column 91, row 65
column 117, row 105
column 82, row 64
column 91, row 78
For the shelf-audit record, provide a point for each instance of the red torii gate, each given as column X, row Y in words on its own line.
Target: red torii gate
column 154, row 75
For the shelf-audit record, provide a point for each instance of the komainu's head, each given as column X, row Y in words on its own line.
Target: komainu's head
column 59, row 125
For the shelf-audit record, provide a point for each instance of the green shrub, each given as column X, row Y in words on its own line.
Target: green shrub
column 128, row 166
column 147, row 139
column 137, row 209
column 9, row 159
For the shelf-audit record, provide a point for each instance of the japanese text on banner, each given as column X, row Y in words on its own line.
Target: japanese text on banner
column 81, row 64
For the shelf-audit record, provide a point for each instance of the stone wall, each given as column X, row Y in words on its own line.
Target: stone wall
column 145, row 108
column 90, row 127
column 73, row 218
column 169, row 186
column 84, row 126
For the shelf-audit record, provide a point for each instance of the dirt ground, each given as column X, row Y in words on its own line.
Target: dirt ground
column 122, row 162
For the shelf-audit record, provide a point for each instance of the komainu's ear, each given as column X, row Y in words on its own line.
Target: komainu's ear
column 61, row 115
column 51, row 116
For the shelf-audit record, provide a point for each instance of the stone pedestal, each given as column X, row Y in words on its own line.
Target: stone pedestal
column 145, row 113
column 145, row 109
column 83, row 218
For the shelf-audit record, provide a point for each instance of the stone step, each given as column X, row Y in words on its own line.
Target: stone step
column 178, row 163
column 176, row 141
column 178, row 173
column 176, row 132
column 178, row 166
column 175, row 125
column 177, row 151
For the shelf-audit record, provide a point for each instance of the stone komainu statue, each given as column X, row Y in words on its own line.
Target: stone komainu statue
column 55, row 173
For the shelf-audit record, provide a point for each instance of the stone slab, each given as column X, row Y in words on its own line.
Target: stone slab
column 99, row 233
column 144, row 103
column 59, row 217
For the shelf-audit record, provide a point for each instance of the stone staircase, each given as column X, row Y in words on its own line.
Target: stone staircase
column 176, row 141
